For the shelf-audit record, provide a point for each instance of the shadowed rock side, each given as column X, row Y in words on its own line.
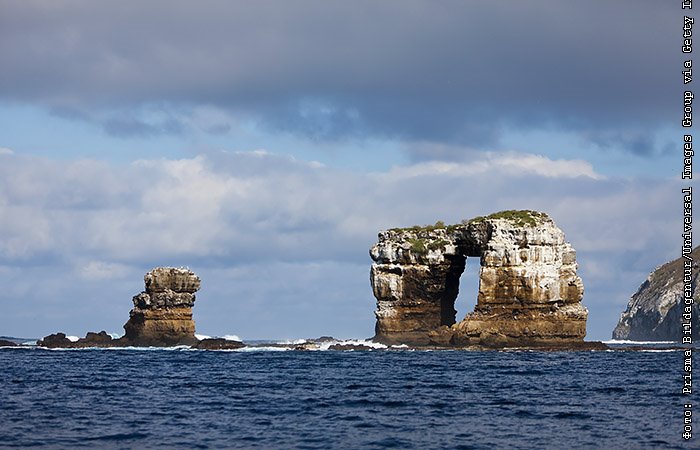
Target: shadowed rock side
column 654, row 313
column 529, row 292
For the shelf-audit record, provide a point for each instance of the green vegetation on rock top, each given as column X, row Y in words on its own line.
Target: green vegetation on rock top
column 423, row 246
column 518, row 217
column 418, row 228
column 418, row 246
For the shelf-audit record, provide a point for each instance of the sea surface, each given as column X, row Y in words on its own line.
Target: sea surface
column 177, row 398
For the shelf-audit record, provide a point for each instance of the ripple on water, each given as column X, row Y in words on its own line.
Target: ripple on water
column 179, row 399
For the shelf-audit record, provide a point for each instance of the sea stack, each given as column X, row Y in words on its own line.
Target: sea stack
column 655, row 312
column 529, row 291
column 161, row 317
column 162, row 313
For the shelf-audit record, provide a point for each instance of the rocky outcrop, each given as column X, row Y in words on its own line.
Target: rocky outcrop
column 218, row 344
column 56, row 340
column 161, row 317
column 654, row 313
column 59, row 340
column 162, row 314
column 529, row 291
column 6, row 343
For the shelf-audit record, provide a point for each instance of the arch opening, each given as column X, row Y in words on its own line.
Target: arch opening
column 465, row 302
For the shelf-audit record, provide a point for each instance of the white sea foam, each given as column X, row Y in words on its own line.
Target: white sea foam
column 621, row 342
column 232, row 337
column 115, row 335
column 660, row 350
column 26, row 347
column 202, row 336
column 72, row 338
column 358, row 342
column 260, row 349
column 286, row 345
column 293, row 342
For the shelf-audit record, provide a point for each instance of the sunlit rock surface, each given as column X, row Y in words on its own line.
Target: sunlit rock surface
column 162, row 314
column 529, row 291
column 654, row 313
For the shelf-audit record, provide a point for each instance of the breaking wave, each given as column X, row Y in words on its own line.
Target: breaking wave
column 355, row 342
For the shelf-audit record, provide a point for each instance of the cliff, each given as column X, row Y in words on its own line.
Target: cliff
column 529, row 291
column 654, row 313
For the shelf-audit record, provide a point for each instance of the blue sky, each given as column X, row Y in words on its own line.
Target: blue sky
column 264, row 145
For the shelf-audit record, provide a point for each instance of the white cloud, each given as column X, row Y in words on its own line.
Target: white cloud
column 6, row 151
column 505, row 163
column 543, row 166
column 102, row 270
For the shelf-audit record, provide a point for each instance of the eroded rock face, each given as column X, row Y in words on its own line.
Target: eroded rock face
column 654, row 313
column 529, row 292
column 162, row 314
column 415, row 279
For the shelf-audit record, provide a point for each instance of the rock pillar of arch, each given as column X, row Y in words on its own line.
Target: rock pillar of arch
column 415, row 279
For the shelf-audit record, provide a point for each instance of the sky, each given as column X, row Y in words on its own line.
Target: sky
column 264, row 144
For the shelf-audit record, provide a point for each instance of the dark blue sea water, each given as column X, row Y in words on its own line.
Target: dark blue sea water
column 389, row 399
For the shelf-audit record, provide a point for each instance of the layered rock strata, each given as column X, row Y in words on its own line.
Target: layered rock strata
column 415, row 279
column 162, row 314
column 529, row 291
column 655, row 311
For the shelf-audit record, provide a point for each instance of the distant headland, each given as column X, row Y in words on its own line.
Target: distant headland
column 666, row 307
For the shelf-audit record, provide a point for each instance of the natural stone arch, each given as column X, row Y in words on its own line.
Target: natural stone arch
column 529, row 292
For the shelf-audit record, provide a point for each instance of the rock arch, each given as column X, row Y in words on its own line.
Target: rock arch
column 529, row 291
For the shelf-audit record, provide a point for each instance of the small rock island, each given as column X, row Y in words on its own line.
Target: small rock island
column 529, row 292
column 161, row 317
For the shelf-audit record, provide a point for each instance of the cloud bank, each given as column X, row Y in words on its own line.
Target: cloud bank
column 282, row 244
column 453, row 72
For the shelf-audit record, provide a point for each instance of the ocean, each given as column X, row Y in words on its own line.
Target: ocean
column 179, row 398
